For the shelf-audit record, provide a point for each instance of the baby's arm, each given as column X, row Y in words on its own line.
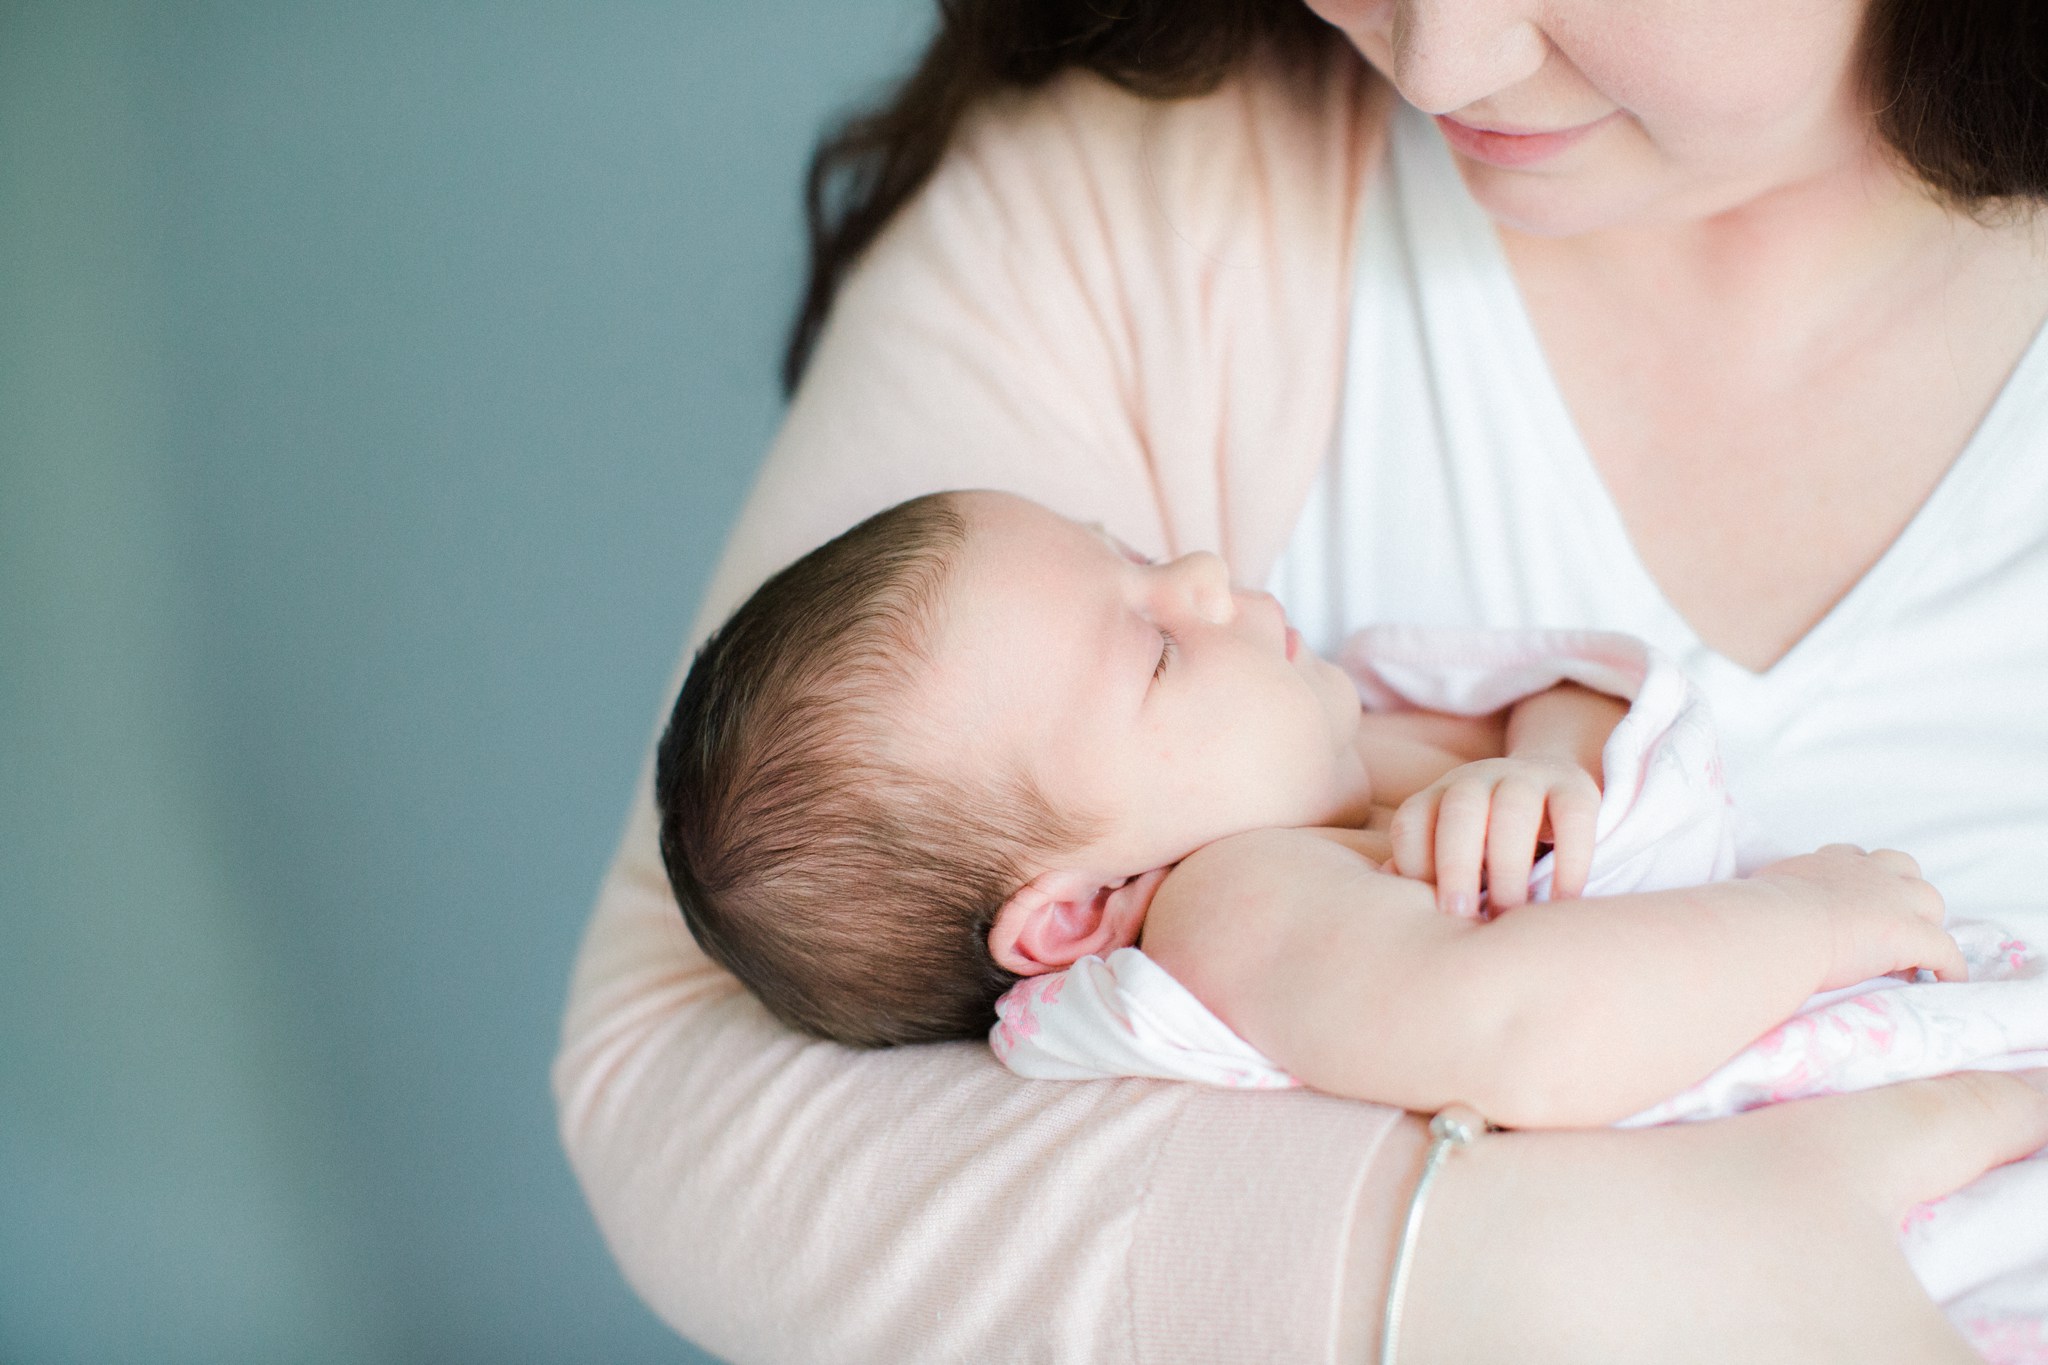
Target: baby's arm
column 1545, row 785
column 1554, row 1016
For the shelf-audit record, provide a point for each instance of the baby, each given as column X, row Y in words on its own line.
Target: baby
column 971, row 741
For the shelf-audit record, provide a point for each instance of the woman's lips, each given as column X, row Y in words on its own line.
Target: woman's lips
column 1508, row 149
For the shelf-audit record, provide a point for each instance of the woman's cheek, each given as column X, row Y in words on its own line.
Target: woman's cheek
column 1689, row 70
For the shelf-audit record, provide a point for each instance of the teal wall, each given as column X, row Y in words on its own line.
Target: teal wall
column 377, row 381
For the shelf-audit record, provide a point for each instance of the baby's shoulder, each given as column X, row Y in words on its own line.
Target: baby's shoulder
column 1245, row 876
column 1232, row 909
column 1270, row 851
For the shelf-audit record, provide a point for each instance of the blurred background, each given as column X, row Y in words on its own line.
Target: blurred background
column 377, row 382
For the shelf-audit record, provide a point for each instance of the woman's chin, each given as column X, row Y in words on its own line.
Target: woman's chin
column 1564, row 202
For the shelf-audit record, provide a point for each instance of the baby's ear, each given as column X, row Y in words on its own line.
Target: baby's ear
column 1061, row 917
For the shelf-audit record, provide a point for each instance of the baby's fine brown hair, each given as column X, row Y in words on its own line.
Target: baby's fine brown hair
column 852, row 895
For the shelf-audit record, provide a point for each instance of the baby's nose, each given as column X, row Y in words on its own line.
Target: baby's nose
column 1205, row 578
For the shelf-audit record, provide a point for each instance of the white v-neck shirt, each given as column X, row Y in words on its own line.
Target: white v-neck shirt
column 1914, row 715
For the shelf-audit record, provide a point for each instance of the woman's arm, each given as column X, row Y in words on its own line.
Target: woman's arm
column 1770, row 1238
column 1088, row 308
column 777, row 1198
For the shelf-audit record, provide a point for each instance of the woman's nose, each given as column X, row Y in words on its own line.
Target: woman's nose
column 1443, row 55
column 1200, row 583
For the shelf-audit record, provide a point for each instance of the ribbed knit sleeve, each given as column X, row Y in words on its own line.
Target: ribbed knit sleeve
column 1133, row 312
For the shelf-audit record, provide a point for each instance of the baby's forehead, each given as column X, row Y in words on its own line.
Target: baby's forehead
column 1008, row 532
column 1020, row 608
column 1020, row 564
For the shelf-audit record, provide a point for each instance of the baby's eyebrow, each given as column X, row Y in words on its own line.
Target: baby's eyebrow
column 1116, row 542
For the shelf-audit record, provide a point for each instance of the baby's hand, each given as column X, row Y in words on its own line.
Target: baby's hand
column 1493, row 813
column 1880, row 916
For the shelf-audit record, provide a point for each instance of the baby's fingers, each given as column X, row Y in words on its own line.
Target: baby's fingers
column 1413, row 836
column 1574, row 821
column 1461, row 845
column 1511, row 830
column 1944, row 958
column 1927, row 901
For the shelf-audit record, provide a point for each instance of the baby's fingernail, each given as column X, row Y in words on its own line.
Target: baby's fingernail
column 1459, row 903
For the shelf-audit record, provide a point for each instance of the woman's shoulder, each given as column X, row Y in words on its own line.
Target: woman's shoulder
column 1195, row 252
column 1289, row 140
column 1133, row 310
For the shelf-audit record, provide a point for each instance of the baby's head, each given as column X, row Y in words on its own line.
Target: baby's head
column 949, row 748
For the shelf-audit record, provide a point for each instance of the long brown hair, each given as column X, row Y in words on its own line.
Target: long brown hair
column 871, row 163
column 1959, row 88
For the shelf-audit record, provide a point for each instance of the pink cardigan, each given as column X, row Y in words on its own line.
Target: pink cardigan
column 1134, row 312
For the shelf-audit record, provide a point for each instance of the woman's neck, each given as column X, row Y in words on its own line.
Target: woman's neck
column 1835, row 248
column 1832, row 343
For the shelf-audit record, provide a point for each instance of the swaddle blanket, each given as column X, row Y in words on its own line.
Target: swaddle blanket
column 1665, row 821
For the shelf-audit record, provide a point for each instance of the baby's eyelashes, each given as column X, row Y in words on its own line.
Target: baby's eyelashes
column 1167, row 645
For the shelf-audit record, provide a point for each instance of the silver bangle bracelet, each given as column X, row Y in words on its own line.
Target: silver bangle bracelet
column 1457, row 1126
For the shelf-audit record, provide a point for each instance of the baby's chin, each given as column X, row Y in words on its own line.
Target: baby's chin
column 1343, row 804
column 1174, row 846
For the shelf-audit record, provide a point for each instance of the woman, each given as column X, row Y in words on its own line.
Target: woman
column 1708, row 369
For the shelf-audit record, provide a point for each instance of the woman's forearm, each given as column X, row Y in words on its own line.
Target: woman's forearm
column 1770, row 1238
column 773, row 1197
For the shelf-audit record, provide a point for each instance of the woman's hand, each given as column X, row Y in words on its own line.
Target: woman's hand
column 1769, row 1237
column 1880, row 917
column 1493, row 814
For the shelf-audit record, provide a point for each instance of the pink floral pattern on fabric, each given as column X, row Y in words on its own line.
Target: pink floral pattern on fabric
column 1802, row 1047
column 1884, row 1031
column 1919, row 1216
column 1987, row 1244
column 1122, row 1015
column 2008, row 1341
column 1017, row 1010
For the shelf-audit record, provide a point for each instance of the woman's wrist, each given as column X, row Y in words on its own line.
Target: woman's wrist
column 1694, row 1241
column 1453, row 1129
column 1376, row 1224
